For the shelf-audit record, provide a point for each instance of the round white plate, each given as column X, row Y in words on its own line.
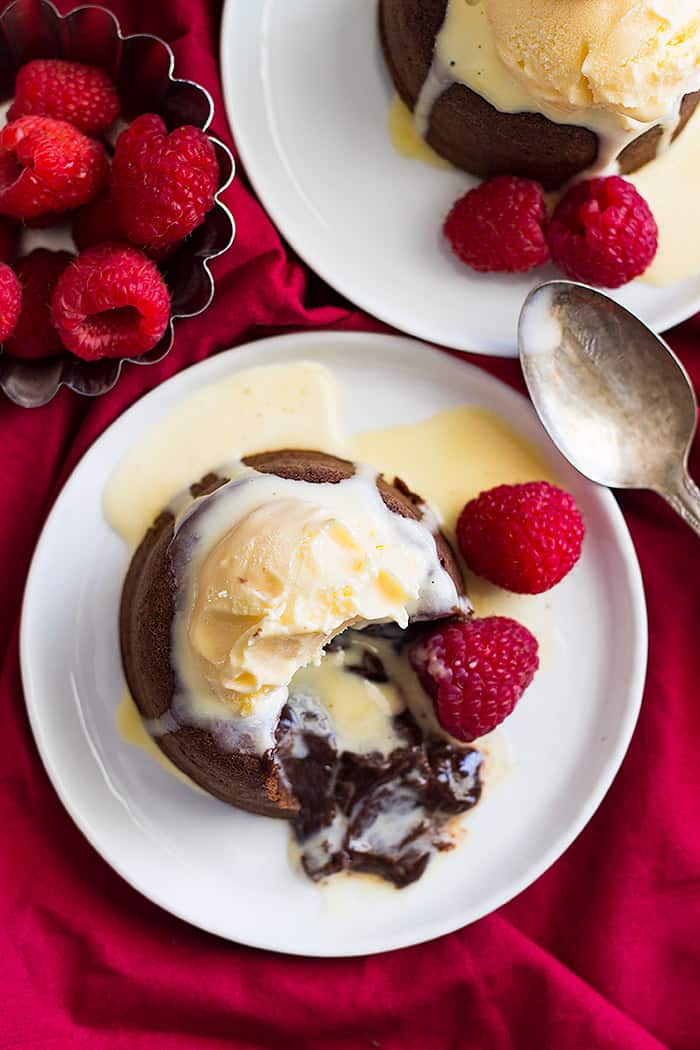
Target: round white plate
column 229, row 872
column 308, row 97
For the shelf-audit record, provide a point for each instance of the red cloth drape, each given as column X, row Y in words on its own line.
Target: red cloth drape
column 603, row 951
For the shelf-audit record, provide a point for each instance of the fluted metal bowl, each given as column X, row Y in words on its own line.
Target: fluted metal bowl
column 143, row 69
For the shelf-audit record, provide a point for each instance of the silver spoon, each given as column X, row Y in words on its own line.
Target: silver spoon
column 612, row 395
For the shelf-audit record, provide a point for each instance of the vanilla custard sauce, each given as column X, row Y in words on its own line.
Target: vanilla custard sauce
column 282, row 406
column 405, row 138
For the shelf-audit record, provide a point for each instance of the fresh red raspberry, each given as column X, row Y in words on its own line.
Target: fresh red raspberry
column 475, row 672
column 112, row 302
column 97, row 223
column 499, row 226
column 163, row 185
column 9, row 238
column 48, row 166
column 10, row 301
column 83, row 95
column 35, row 336
column 603, row 232
column 524, row 538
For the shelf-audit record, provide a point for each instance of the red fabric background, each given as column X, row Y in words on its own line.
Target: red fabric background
column 603, row 951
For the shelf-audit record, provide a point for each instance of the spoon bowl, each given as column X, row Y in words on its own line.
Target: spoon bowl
column 610, row 392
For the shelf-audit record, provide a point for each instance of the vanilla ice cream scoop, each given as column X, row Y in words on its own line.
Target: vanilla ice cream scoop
column 636, row 58
column 278, row 567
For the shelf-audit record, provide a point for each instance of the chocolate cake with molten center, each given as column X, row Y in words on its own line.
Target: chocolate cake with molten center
column 264, row 624
column 545, row 89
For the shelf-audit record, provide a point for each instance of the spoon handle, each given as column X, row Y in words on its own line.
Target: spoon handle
column 684, row 496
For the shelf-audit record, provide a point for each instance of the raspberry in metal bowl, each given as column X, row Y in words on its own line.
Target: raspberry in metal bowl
column 65, row 79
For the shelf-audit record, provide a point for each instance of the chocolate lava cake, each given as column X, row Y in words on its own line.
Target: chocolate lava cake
column 473, row 135
column 333, row 798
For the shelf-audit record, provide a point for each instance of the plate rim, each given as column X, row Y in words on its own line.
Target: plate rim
column 314, row 341
column 668, row 318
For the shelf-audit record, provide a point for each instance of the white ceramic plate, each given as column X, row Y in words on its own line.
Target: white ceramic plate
column 229, row 872
column 308, row 97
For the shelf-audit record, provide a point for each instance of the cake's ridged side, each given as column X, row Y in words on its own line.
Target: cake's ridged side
column 407, row 30
column 145, row 624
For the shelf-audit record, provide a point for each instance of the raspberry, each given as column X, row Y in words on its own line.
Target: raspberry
column 9, row 237
column 48, row 166
column 83, row 95
column 499, row 226
column 476, row 672
column 97, row 223
column 524, row 538
column 603, row 232
column 35, row 336
column 10, row 301
column 112, row 302
column 163, row 185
